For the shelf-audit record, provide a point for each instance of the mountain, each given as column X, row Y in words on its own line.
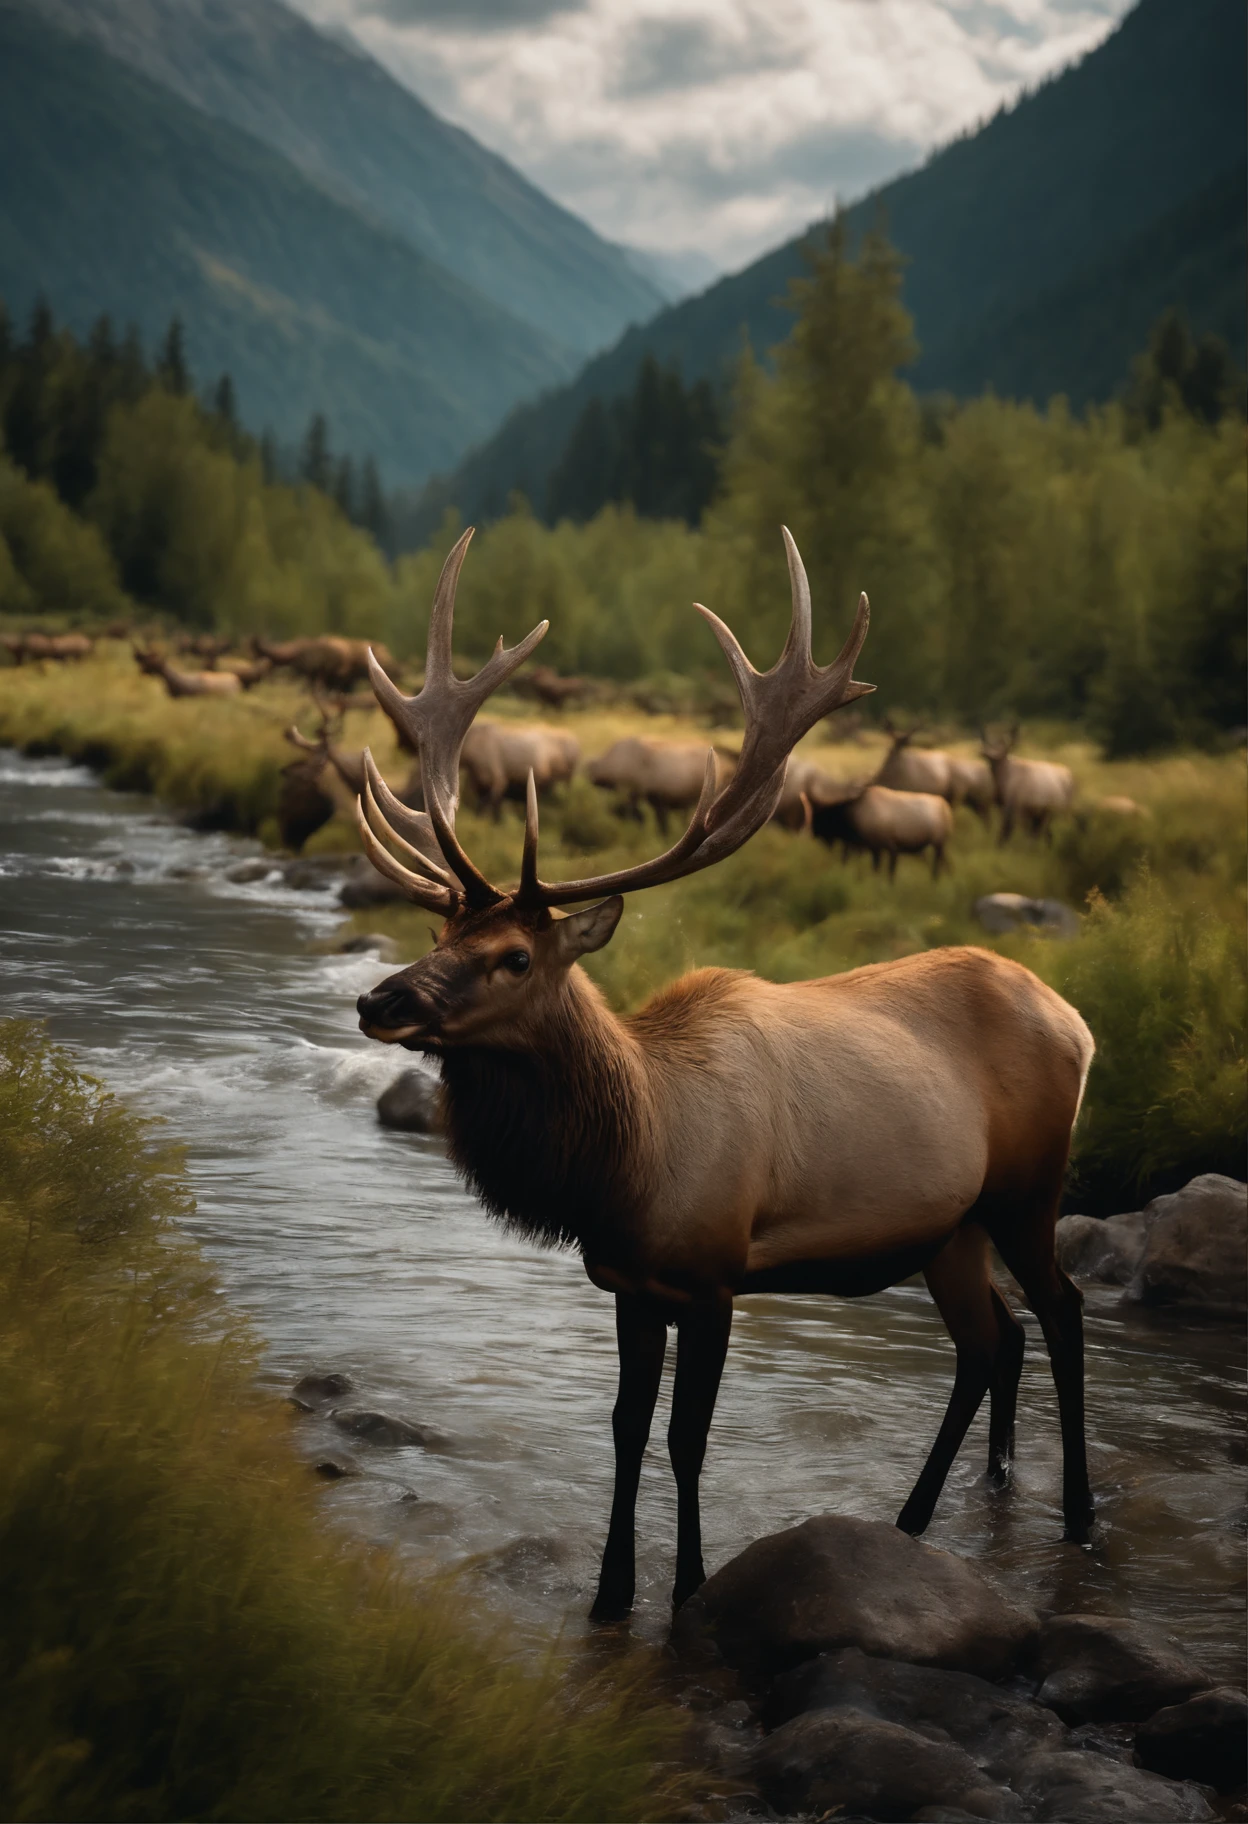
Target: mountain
column 347, row 124
column 116, row 196
column 1039, row 249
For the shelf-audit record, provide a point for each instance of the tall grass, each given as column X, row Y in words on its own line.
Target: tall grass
column 182, row 1637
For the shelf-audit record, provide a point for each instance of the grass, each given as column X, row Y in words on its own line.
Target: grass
column 1159, row 970
column 183, row 1637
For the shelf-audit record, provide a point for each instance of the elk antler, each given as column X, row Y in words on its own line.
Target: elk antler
column 436, row 721
column 780, row 705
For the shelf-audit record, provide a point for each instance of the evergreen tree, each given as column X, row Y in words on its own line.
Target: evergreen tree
column 171, row 366
column 223, row 403
column 269, row 465
column 373, row 516
column 344, row 486
column 1177, row 373
column 315, row 463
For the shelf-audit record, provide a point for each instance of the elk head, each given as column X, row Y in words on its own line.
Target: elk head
column 501, row 963
column 998, row 750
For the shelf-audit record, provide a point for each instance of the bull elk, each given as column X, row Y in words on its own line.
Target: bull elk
column 883, row 822
column 500, row 757
column 1030, row 792
column 186, row 683
column 735, row 1135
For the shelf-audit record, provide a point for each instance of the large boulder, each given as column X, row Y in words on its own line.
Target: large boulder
column 411, row 1104
column 1099, row 1668
column 838, row 1582
column 1074, row 1788
column 365, row 885
column 385, row 1429
column 1196, row 1252
column 998, row 1730
column 1106, row 1252
column 846, row 1761
column 1204, row 1739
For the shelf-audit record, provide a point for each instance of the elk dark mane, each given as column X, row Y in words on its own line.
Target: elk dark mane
column 550, row 1139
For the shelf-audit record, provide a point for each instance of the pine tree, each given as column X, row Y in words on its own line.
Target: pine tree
column 223, row 402
column 373, row 513
column 344, row 486
column 171, row 367
column 314, row 458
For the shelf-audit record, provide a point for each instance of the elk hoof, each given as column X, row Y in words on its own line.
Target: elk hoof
column 609, row 1608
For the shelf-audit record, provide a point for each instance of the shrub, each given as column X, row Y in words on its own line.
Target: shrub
column 183, row 1637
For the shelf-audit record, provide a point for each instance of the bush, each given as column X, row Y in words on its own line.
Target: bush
column 183, row 1637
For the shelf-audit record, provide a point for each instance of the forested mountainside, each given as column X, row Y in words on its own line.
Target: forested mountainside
column 345, row 122
column 1039, row 249
column 118, row 197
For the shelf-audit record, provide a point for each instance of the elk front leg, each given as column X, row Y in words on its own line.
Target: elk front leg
column 641, row 1335
column 702, row 1332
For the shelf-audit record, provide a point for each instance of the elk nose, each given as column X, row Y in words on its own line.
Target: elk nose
column 386, row 1005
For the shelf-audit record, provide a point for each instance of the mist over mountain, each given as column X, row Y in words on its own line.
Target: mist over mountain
column 1040, row 249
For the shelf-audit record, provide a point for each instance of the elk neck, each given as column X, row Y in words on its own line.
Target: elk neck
column 558, row 1140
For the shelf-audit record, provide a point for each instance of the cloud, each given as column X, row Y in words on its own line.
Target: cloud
column 722, row 126
column 478, row 15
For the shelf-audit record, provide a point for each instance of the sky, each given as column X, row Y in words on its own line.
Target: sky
column 715, row 129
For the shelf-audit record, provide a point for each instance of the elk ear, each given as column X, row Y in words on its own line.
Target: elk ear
column 581, row 932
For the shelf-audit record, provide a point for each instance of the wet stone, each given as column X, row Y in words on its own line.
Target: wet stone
column 996, row 1728
column 311, row 1387
column 1204, row 1739
column 839, row 1582
column 1097, row 1668
column 1196, row 1253
column 363, row 885
column 845, row 1760
column 1066, row 1788
column 244, row 872
column 1106, row 1252
column 333, row 1469
column 312, row 874
column 384, row 1429
column 369, row 943
column 411, row 1104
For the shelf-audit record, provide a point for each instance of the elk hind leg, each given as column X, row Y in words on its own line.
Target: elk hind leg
column 641, row 1335
column 1007, row 1371
column 1027, row 1250
column 702, row 1332
column 959, row 1282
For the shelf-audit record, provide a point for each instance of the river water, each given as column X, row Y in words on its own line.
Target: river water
column 220, row 1007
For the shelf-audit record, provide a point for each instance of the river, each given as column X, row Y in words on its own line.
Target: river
column 221, row 1007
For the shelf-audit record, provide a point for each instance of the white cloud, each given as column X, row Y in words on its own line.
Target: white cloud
column 718, row 125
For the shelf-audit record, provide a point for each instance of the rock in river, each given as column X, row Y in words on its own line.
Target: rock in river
column 996, row 1728
column 1105, row 1252
column 1204, row 1739
column 1196, row 1252
column 384, row 1428
column 847, row 1761
column 1098, row 1668
column 1074, row 1788
column 411, row 1104
column 838, row 1582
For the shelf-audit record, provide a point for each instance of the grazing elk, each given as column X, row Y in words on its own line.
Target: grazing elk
column 804, row 784
column 735, row 1135
column 186, row 683
column 666, row 775
column 499, row 756
column 916, row 769
column 329, row 660
column 60, row 647
column 1030, row 792
column 883, row 822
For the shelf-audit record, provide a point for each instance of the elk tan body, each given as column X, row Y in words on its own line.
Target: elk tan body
column 666, row 775
column 188, row 683
column 915, row 769
column 499, row 756
column 1030, row 792
column 884, row 822
column 329, row 660
column 735, row 1135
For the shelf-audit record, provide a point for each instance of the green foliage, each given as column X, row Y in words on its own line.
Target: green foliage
column 183, row 1636
column 50, row 561
column 1161, row 981
column 656, row 450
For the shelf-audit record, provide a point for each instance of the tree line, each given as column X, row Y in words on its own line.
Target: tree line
column 1020, row 562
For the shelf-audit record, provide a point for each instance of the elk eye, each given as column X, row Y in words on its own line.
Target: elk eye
column 517, row 961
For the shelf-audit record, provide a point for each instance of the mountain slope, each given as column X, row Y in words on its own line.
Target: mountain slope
column 347, row 123
column 116, row 196
column 1039, row 249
